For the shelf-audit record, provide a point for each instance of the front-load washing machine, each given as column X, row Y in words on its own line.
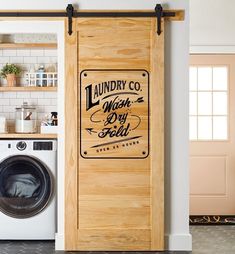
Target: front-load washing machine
column 27, row 189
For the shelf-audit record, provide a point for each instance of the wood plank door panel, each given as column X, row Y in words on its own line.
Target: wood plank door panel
column 114, row 173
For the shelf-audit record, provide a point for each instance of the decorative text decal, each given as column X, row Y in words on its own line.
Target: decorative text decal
column 114, row 114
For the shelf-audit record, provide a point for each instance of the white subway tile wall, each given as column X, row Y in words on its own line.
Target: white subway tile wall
column 28, row 59
column 45, row 103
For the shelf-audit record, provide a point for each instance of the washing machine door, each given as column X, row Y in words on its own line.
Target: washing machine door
column 25, row 186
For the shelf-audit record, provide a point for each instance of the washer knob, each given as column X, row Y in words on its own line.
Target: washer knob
column 21, row 146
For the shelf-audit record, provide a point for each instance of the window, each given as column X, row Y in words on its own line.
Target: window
column 208, row 103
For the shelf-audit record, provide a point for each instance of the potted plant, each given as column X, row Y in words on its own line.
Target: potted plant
column 9, row 72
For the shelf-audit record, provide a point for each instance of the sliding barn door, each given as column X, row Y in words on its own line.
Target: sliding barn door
column 114, row 135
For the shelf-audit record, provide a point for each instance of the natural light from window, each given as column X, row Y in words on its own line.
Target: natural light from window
column 208, row 103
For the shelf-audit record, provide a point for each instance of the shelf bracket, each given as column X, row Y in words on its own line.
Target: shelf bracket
column 70, row 14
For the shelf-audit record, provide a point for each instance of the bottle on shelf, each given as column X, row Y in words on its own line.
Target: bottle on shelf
column 54, row 117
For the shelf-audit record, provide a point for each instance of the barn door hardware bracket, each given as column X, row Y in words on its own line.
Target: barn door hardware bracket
column 160, row 13
column 70, row 14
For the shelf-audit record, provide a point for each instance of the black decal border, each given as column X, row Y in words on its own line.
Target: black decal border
column 79, row 91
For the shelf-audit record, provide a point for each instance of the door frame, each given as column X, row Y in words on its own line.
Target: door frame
column 213, row 60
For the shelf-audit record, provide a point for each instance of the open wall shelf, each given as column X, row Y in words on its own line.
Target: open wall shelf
column 26, row 135
column 27, row 45
column 27, row 89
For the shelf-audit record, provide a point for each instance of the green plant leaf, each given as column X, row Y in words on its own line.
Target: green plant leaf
column 10, row 69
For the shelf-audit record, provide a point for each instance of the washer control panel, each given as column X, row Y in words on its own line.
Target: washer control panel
column 27, row 146
column 21, row 146
column 43, row 146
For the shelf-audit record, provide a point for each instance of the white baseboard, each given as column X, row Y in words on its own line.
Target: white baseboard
column 59, row 241
column 178, row 242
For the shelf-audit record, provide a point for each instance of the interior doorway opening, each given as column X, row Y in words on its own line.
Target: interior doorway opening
column 212, row 138
column 45, row 28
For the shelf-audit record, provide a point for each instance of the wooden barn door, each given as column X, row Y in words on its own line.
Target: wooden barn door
column 114, row 135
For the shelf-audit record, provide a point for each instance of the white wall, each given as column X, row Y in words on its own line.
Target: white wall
column 26, row 59
column 45, row 103
column 177, row 180
column 212, row 26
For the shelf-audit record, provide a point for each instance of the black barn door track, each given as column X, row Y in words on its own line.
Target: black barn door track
column 71, row 13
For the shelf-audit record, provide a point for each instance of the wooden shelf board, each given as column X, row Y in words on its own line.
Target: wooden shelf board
column 25, row 136
column 27, row 45
column 27, row 88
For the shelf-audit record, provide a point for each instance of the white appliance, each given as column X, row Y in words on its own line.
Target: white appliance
column 27, row 189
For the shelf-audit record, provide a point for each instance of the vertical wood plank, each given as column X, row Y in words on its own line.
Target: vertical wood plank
column 71, row 153
column 157, row 137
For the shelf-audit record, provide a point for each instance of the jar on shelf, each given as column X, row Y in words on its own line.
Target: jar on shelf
column 26, row 119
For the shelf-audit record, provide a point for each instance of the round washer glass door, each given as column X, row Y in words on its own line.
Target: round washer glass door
column 25, row 186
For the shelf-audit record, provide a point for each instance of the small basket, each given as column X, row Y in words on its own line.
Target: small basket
column 42, row 79
column 49, row 129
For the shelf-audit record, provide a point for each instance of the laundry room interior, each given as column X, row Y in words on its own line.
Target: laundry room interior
column 98, row 184
column 116, row 126
column 35, row 84
column 30, row 134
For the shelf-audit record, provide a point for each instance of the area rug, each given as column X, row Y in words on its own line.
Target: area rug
column 212, row 220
